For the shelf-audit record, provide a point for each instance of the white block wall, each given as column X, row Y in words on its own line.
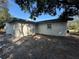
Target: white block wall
column 58, row 29
column 9, row 28
column 19, row 29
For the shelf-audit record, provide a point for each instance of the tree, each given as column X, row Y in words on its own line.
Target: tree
column 4, row 15
column 49, row 6
column 74, row 25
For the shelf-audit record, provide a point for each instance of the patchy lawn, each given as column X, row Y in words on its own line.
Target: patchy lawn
column 39, row 47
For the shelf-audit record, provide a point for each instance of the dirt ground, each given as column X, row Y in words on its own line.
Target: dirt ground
column 39, row 47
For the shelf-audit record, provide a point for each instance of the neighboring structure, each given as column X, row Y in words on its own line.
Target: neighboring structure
column 21, row 27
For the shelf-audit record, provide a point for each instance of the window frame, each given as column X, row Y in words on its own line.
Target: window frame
column 49, row 26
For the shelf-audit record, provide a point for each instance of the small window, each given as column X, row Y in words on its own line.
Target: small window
column 49, row 26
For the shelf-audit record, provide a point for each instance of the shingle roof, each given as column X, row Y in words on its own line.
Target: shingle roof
column 55, row 20
column 14, row 20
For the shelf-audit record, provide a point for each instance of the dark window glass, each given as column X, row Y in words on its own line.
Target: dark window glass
column 49, row 26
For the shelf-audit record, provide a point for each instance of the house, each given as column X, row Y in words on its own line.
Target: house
column 20, row 27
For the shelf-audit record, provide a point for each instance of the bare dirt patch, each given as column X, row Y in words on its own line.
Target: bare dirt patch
column 40, row 47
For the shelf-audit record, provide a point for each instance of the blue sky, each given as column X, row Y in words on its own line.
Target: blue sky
column 15, row 11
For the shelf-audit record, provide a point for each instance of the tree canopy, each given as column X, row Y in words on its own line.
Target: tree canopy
column 74, row 25
column 37, row 7
column 4, row 15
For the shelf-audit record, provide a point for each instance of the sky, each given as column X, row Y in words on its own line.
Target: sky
column 16, row 11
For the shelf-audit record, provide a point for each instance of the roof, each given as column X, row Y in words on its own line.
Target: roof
column 55, row 20
column 14, row 20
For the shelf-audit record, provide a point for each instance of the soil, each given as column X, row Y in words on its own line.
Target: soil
column 39, row 47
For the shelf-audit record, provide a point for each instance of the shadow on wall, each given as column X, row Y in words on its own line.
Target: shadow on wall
column 24, row 30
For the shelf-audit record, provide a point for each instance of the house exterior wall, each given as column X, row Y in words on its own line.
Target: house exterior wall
column 58, row 29
column 24, row 29
column 19, row 29
column 18, row 32
column 9, row 28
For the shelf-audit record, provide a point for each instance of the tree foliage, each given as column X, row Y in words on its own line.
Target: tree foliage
column 49, row 6
column 74, row 25
column 4, row 15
